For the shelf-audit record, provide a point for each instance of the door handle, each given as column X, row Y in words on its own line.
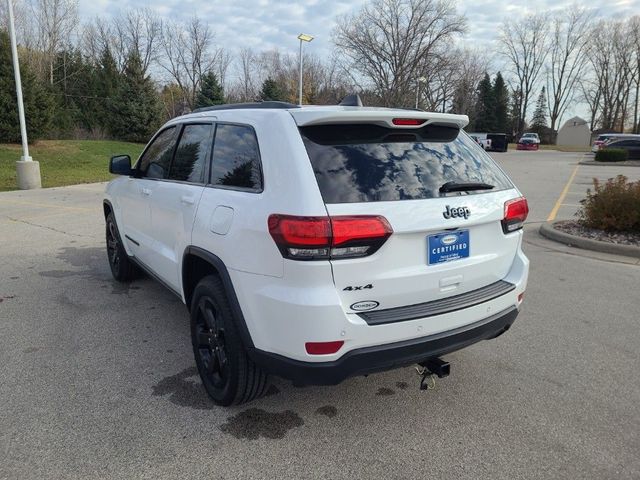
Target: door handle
column 187, row 200
column 145, row 191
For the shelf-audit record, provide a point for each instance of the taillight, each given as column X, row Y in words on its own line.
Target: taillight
column 515, row 213
column 321, row 238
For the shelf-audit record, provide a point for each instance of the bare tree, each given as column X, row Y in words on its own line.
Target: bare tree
column 96, row 36
column 524, row 44
column 389, row 44
column 134, row 31
column 55, row 20
column 608, row 92
column 187, row 55
column 247, row 73
column 138, row 32
column 590, row 94
column 471, row 67
column 222, row 59
column 439, row 90
column 634, row 28
column 567, row 59
column 25, row 29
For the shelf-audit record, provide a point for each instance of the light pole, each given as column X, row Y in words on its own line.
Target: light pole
column 303, row 37
column 420, row 80
column 27, row 171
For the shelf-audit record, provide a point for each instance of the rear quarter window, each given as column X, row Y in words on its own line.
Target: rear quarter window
column 370, row 163
column 236, row 158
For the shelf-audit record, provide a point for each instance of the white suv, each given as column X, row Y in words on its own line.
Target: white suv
column 318, row 243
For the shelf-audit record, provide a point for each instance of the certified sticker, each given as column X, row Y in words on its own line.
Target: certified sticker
column 364, row 305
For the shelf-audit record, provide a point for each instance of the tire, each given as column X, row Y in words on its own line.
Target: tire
column 122, row 268
column 229, row 376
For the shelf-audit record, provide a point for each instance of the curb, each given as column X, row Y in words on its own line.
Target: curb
column 609, row 164
column 547, row 230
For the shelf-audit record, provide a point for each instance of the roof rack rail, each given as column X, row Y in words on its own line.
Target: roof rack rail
column 244, row 106
column 351, row 100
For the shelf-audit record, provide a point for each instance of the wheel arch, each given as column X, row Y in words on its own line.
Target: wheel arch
column 197, row 263
column 107, row 208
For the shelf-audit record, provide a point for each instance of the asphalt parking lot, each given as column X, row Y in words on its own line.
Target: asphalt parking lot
column 98, row 380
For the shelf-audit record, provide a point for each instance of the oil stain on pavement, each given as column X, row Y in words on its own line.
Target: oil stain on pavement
column 328, row 411
column 385, row 392
column 184, row 389
column 184, row 392
column 254, row 423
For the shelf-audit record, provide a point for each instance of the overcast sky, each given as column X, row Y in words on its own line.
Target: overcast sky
column 265, row 24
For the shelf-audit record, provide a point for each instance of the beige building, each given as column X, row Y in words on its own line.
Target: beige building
column 574, row 132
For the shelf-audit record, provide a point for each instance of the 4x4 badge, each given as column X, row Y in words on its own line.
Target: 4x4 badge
column 456, row 212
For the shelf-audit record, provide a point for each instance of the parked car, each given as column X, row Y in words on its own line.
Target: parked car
column 527, row 144
column 319, row 243
column 530, row 136
column 485, row 143
column 610, row 137
column 631, row 145
column 600, row 139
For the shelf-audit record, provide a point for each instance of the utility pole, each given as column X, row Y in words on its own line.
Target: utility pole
column 27, row 171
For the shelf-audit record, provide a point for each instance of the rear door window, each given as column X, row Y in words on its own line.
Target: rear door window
column 370, row 163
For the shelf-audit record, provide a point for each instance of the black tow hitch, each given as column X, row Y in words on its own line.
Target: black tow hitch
column 431, row 368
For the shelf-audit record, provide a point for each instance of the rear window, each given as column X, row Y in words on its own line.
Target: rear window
column 370, row 163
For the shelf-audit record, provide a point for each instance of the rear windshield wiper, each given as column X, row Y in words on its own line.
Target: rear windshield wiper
column 464, row 187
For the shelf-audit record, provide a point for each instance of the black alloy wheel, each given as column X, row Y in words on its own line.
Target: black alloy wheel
column 228, row 374
column 211, row 348
column 122, row 268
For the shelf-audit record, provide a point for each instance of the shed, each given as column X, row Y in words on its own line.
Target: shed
column 574, row 132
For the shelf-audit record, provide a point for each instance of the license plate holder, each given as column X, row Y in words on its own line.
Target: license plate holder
column 447, row 247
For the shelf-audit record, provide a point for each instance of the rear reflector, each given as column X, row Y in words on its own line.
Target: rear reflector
column 521, row 297
column 323, row 348
column 321, row 238
column 515, row 213
column 408, row 121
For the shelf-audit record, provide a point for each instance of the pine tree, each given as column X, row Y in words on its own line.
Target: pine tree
column 501, row 105
column 107, row 82
column 38, row 102
column 539, row 120
column 75, row 85
column 271, row 91
column 211, row 92
column 485, row 107
column 135, row 110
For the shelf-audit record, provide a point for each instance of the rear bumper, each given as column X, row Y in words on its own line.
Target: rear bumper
column 384, row 357
column 527, row 146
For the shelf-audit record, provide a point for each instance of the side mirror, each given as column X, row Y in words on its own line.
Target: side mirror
column 120, row 165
